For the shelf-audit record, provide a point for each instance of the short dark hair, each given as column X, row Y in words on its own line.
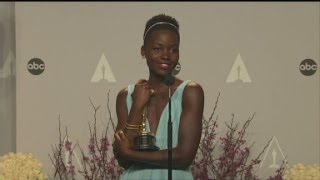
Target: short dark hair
column 161, row 18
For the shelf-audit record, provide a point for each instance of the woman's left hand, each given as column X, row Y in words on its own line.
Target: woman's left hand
column 121, row 144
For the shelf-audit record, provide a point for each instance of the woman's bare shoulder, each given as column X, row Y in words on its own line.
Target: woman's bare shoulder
column 193, row 87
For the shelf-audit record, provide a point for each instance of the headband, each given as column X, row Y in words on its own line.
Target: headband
column 158, row 23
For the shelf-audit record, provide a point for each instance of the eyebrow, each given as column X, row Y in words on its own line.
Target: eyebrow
column 161, row 44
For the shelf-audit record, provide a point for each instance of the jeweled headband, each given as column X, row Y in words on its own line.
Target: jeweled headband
column 158, row 23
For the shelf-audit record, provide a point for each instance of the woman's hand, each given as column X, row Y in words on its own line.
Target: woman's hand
column 142, row 93
column 121, row 145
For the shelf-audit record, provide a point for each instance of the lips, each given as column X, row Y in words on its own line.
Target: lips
column 163, row 65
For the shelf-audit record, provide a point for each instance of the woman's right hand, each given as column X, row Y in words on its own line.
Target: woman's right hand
column 142, row 93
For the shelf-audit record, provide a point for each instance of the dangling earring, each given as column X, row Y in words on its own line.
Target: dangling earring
column 176, row 69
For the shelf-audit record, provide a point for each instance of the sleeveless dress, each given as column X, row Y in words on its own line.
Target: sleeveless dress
column 150, row 172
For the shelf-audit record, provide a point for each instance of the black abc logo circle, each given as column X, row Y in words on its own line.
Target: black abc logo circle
column 35, row 66
column 308, row 67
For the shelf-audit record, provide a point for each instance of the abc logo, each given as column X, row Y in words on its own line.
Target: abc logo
column 35, row 66
column 308, row 67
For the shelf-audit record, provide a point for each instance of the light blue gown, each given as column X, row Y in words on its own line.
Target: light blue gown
column 143, row 171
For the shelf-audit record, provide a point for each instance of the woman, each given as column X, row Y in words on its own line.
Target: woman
column 161, row 50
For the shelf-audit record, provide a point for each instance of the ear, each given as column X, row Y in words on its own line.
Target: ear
column 143, row 51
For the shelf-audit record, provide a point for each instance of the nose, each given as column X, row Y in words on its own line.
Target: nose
column 165, row 54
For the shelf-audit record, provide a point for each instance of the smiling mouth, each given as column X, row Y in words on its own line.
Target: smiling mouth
column 164, row 65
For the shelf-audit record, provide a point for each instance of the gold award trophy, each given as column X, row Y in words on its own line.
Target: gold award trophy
column 145, row 141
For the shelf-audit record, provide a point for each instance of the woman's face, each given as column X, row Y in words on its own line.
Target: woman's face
column 161, row 51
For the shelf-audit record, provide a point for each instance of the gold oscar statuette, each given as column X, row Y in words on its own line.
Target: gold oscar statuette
column 145, row 141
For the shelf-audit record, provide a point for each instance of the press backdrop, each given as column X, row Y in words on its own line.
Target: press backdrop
column 251, row 52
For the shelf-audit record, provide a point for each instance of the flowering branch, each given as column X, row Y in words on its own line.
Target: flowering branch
column 230, row 160
column 63, row 169
column 96, row 164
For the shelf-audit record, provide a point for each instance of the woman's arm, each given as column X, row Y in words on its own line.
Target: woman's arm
column 140, row 97
column 122, row 114
column 189, row 134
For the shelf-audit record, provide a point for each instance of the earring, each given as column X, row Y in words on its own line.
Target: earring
column 176, row 69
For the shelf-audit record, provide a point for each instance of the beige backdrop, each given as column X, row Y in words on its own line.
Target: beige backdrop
column 249, row 52
column 7, row 78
